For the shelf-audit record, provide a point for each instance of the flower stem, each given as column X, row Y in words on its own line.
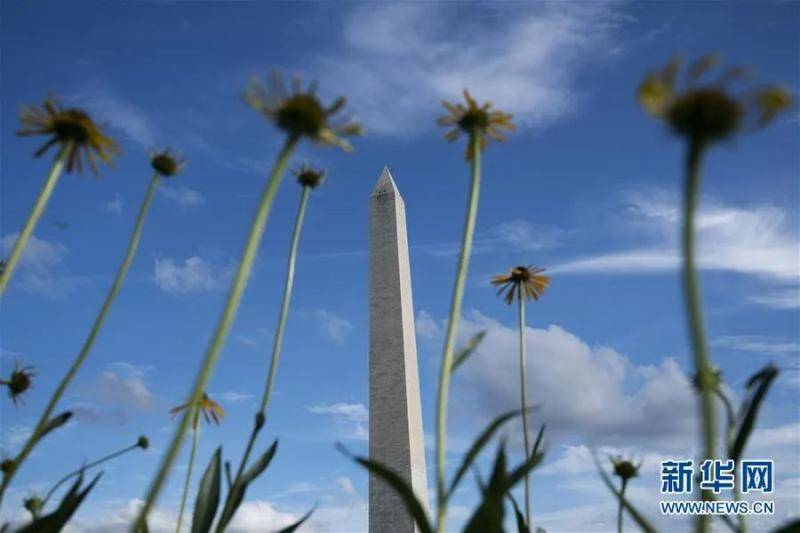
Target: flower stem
column 223, row 326
column 35, row 215
column 84, row 468
column 278, row 341
column 694, row 310
column 524, row 402
column 287, row 295
column 621, row 507
column 186, row 483
column 89, row 342
column 452, row 329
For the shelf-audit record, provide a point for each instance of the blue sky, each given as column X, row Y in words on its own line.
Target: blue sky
column 587, row 188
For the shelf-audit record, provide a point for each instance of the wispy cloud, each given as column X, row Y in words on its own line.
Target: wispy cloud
column 335, row 327
column 113, row 206
column 399, row 60
column 117, row 392
column 787, row 298
column 515, row 235
column 754, row 240
column 193, row 276
column 107, row 105
column 351, row 417
column 760, row 344
column 37, row 271
column 182, row 195
column 232, row 396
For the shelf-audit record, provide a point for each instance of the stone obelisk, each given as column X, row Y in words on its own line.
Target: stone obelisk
column 395, row 417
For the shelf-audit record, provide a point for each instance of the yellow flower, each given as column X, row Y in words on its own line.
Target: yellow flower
column 308, row 176
column 19, row 382
column 711, row 112
column 624, row 468
column 475, row 119
column 211, row 410
column 165, row 163
column 527, row 281
column 300, row 113
column 72, row 128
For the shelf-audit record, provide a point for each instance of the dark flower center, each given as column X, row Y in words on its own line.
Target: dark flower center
column 72, row 124
column 474, row 119
column 302, row 115
column 164, row 165
column 19, row 382
column 625, row 470
column 705, row 115
column 520, row 274
column 309, row 178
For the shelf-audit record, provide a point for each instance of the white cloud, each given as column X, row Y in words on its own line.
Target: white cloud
column 408, row 57
column 522, row 235
column 16, row 434
column 36, row 269
column 519, row 235
column 39, row 255
column 755, row 240
column 351, row 411
column 334, row 326
column 610, row 399
column 106, row 105
column 123, row 385
column 788, row 298
column 346, row 484
column 182, row 195
column 232, row 396
column 351, row 418
column 195, row 275
column 758, row 344
column 113, row 206
column 253, row 516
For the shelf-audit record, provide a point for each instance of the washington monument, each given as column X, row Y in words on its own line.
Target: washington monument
column 395, row 418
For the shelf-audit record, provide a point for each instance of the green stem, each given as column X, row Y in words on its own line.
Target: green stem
column 287, row 295
column 89, row 342
column 694, row 311
column 524, row 402
column 621, row 498
column 84, row 469
column 35, row 215
column 276, row 345
column 284, row 313
column 187, row 482
column 223, row 326
column 452, row 328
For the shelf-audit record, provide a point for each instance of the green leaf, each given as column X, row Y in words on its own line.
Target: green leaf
column 757, row 386
column 55, row 423
column 205, row 505
column 478, row 445
column 637, row 517
column 239, row 487
column 259, row 466
column 538, row 442
column 488, row 517
column 467, row 350
column 518, row 473
column 291, row 528
column 399, row 485
column 56, row 520
column 522, row 527
column 789, row 527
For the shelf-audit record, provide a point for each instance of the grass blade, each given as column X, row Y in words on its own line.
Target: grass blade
column 207, row 501
column 758, row 386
